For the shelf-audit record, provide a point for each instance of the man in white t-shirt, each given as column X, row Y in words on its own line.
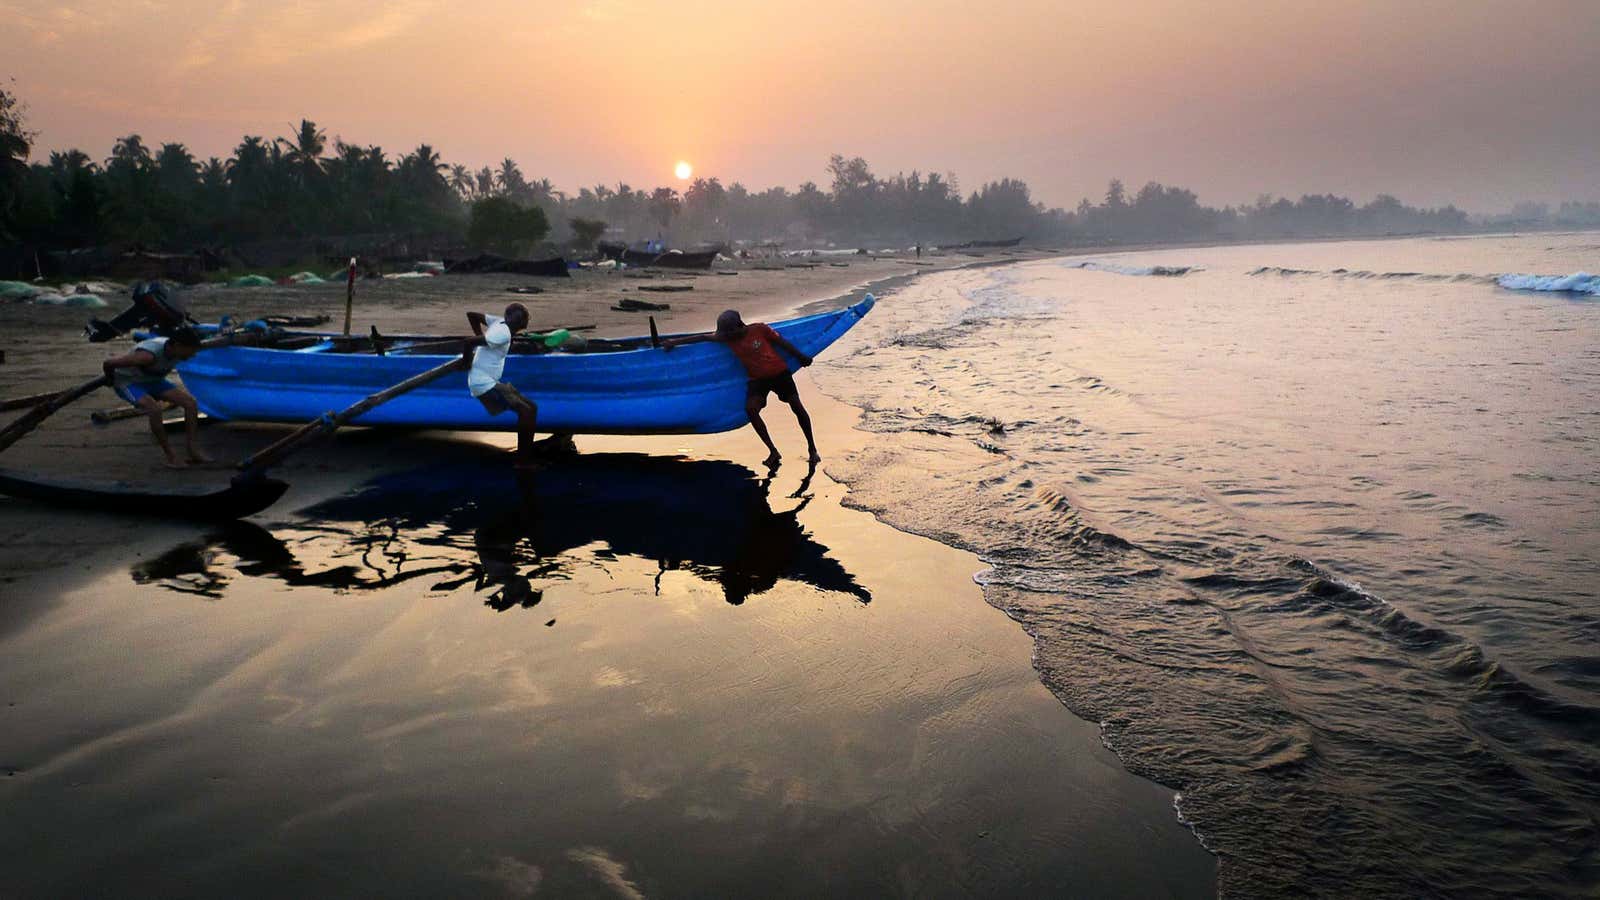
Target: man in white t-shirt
column 488, row 361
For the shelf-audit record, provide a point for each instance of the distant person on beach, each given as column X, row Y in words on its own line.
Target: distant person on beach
column 140, row 377
column 488, row 362
column 756, row 345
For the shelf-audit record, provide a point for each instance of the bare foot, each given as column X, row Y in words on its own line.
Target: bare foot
column 195, row 456
column 175, row 463
column 772, row 460
column 556, row 445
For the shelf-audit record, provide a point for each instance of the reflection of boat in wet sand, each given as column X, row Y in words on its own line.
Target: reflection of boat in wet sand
column 475, row 522
column 620, row 387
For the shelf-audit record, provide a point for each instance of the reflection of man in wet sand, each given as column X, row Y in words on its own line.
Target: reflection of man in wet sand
column 500, row 557
column 757, row 346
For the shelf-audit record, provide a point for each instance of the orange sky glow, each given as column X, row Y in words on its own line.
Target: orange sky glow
column 1474, row 101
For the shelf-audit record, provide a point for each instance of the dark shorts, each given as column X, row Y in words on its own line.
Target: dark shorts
column 782, row 385
column 137, row 391
column 502, row 397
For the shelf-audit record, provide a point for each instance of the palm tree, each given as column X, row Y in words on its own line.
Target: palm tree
column 214, row 174
column 177, row 168
column 461, row 180
column 63, row 166
column 427, row 160
column 303, row 151
column 249, row 162
column 664, row 204
column 424, row 170
column 78, row 196
column 213, row 193
column 485, row 182
column 129, row 152
column 510, row 180
column 16, row 142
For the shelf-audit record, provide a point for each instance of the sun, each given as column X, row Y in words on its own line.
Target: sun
column 683, row 170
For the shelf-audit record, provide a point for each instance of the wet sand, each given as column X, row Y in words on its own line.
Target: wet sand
column 651, row 669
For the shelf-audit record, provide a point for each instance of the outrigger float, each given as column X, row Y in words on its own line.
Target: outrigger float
column 614, row 386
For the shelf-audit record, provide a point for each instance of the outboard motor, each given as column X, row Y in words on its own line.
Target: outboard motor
column 153, row 308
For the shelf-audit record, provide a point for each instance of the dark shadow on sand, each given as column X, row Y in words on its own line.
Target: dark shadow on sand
column 477, row 521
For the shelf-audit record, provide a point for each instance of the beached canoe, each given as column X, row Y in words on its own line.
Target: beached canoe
column 679, row 259
column 554, row 267
column 672, row 259
column 624, row 387
column 243, row 497
column 976, row 245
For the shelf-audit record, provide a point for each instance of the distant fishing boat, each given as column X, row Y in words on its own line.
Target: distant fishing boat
column 974, row 245
column 555, row 267
column 679, row 259
column 672, row 259
column 618, row 387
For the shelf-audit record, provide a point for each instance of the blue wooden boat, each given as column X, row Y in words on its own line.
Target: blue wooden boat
column 621, row 387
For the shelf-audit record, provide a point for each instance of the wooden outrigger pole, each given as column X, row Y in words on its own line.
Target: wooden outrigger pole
column 33, row 417
column 254, row 465
column 26, row 402
column 349, row 295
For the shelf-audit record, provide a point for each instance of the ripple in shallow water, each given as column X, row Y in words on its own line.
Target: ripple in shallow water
column 1277, row 549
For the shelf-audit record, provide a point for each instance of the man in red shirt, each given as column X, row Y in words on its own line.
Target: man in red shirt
column 757, row 345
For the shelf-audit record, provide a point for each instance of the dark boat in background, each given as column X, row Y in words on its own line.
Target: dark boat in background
column 555, row 267
column 672, row 259
column 978, row 245
column 678, row 259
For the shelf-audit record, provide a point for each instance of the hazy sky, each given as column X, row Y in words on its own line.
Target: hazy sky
column 1473, row 101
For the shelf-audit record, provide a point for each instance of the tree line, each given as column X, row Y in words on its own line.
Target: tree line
column 303, row 184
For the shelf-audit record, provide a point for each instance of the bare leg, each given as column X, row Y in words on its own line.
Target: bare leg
column 153, row 410
column 191, row 422
column 752, row 408
column 558, row 444
column 527, row 424
column 804, row 418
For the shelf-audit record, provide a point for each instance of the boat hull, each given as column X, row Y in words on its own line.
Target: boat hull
column 244, row 497
column 696, row 389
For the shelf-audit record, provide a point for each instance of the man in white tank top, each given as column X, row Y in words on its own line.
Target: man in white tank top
column 140, row 377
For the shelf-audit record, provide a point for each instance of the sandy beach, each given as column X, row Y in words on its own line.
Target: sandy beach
column 654, row 669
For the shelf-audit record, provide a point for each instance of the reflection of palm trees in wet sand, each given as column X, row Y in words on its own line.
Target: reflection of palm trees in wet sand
column 471, row 523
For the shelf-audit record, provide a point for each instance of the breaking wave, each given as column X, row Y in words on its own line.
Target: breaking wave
column 1576, row 283
column 1159, row 271
column 1363, row 274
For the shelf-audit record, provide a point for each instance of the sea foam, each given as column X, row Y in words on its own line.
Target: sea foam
column 1576, row 283
column 1166, row 271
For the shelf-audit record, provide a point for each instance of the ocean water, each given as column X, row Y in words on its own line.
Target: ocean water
column 1312, row 532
